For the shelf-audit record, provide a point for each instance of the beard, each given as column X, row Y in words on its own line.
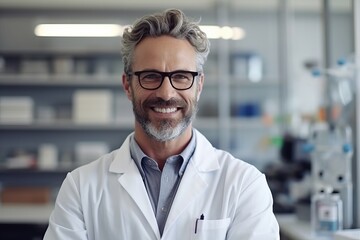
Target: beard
column 166, row 129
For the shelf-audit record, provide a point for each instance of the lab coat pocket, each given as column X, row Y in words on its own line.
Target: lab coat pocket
column 211, row 229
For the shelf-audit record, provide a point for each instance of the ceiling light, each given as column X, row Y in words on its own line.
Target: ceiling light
column 115, row 30
column 226, row 32
column 78, row 30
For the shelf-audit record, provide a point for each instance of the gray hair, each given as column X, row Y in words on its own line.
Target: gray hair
column 172, row 22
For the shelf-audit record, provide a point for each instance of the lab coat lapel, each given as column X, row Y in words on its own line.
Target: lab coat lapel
column 191, row 187
column 193, row 183
column 132, row 182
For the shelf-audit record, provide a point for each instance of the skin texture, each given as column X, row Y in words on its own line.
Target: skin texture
column 166, row 54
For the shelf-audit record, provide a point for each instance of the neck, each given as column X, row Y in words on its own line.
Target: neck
column 162, row 150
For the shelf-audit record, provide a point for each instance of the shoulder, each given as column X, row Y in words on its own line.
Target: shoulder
column 103, row 166
column 236, row 168
column 95, row 170
column 207, row 155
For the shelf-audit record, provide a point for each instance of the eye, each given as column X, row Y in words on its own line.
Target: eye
column 181, row 76
column 150, row 76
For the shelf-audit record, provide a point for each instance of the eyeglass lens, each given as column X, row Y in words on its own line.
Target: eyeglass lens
column 179, row 80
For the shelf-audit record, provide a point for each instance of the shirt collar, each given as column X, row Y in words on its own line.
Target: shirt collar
column 138, row 155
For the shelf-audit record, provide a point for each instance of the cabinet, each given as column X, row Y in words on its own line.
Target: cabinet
column 238, row 112
column 31, row 82
column 247, row 82
column 251, row 125
column 51, row 90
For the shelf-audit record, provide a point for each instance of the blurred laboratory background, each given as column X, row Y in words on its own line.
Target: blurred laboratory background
column 281, row 92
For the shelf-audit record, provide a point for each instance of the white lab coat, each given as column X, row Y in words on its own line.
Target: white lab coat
column 107, row 200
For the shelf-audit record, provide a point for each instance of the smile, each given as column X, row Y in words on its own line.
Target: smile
column 165, row 110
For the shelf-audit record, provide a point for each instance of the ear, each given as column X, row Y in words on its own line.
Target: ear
column 126, row 86
column 200, row 85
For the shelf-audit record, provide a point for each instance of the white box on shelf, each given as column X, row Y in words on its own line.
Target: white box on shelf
column 48, row 156
column 93, row 106
column 34, row 66
column 16, row 110
column 86, row 152
column 63, row 65
column 239, row 66
column 123, row 110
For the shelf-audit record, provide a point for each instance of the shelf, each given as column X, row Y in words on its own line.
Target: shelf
column 25, row 171
column 68, row 126
column 25, row 213
column 235, row 123
column 46, row 80
column 295, row 229
column 206, row 122
column 25, row 177
column 88, row 80
column 53, row 92
column 200, row 122
column 249, row 123
column 235, row 81
column 77, row 52
column 264, row 83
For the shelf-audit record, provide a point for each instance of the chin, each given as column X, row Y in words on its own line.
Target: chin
column 166, row 133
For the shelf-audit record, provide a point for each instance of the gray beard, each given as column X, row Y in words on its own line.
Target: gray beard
column 166, row 132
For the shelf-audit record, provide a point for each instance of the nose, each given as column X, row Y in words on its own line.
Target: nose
column 166, row 90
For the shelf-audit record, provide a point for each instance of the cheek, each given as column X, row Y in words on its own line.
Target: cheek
column 135, row 91
column 138, row 95
column 192, row 98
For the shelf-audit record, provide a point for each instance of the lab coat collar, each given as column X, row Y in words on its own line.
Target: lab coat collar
column 192, row 185
column 123, row 161
column 204, row 158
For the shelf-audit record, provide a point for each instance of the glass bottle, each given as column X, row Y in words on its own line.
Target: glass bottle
column 327, row 212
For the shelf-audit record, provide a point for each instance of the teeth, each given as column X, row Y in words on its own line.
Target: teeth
column 165, row 110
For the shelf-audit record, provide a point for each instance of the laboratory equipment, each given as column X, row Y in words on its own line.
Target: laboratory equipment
column 327, row 212
column 330, row 144
column 339, row 100
column 331, row 152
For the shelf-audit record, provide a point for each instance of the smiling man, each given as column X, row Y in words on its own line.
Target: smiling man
column 166, row 181
column 164, row 96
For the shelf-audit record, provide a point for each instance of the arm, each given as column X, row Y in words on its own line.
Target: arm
column 66, row 220
column 254, row 218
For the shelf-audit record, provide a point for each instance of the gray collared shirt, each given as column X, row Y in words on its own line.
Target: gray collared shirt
column 162, row 186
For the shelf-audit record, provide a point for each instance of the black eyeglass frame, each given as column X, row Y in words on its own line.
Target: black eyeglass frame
column 163, row 75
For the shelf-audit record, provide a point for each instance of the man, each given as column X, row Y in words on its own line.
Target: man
column 166, row 181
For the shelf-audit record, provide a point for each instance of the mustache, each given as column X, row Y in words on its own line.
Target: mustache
column 159, row 102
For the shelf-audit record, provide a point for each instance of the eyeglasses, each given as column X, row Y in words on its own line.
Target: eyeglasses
column 180, row 80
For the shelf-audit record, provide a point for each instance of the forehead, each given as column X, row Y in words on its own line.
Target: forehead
column 164, row 53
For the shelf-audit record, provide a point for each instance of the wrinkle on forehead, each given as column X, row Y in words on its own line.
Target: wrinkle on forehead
column 164, row 53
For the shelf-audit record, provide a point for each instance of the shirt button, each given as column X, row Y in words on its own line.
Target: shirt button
column 163, row 209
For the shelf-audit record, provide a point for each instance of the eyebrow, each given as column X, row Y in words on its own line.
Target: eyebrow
column 156, row 70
